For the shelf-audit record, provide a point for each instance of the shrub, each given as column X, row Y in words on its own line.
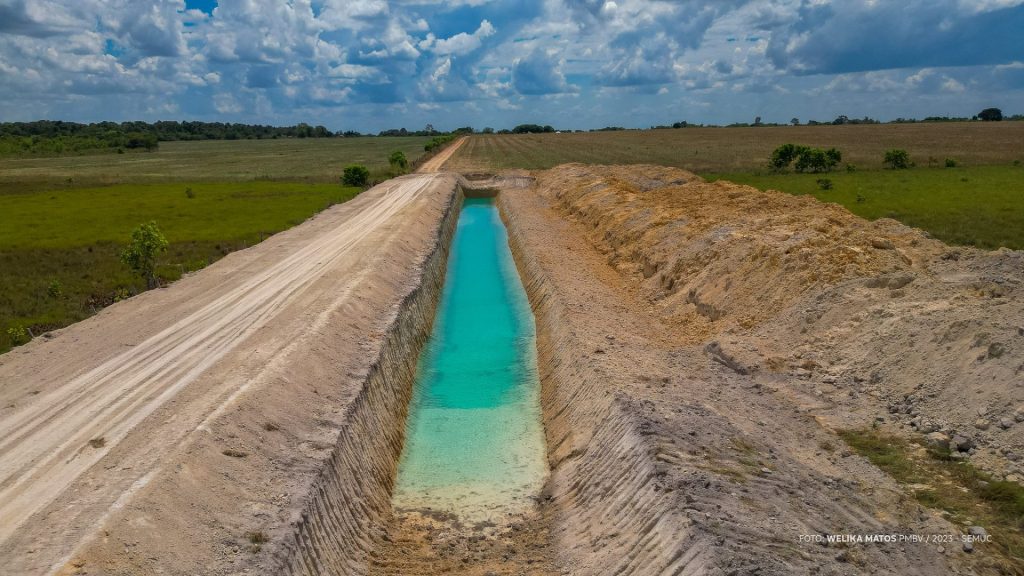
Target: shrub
column 784, row 155
column 355, row 175
column 55, row 290
column 189, row 193
column 438, row 142
column 18, row 335
column 817, row 160
column 897, row 159
column 807, row 159
column 950, row 163
column 834, row 156
column 824, row 183
column 140, row 254
column 398, row 160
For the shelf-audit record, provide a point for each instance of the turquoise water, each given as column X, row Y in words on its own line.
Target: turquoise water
column 474, row 440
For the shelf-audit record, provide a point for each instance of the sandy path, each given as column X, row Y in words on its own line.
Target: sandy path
column 104, row 377
column 437, row 162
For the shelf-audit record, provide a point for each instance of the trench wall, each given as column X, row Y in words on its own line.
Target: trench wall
column 608, row 513
column 350, row 503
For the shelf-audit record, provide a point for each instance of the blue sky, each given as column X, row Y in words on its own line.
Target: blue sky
column 373, row 64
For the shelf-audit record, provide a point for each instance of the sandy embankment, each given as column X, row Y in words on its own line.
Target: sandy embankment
column 670, row 454
column 246, row 419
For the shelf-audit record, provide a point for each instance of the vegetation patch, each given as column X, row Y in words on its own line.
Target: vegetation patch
column 965, row 495
column 973, row 205
column 61, row 250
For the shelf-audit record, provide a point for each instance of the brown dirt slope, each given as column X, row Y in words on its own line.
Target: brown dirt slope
column 867, row 313
column 685, row 390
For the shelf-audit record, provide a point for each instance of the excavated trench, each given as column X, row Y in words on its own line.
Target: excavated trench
column 350, row 504
column 448, row 425
column 496, row 507
column 474, row 445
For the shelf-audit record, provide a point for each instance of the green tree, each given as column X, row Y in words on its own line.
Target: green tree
column 991, row 115
column 812, row 160
column 897, row 159
column 784, row 155
column 398, row 160
column 140, row 255
column 355, row 175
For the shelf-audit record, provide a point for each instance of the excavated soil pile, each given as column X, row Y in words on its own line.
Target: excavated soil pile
column 693, row 339
column 862, row 319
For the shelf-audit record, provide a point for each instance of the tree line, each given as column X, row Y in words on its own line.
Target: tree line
column 164, row 131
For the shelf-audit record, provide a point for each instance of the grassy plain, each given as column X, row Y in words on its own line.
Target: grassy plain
column 64, row 220
column 973, row 205
column 962, row 493
column 980, row 202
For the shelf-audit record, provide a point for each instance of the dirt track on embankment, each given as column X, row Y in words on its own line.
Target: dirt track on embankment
column 181, row 420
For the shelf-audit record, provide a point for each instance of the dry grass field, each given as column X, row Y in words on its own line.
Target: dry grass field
column 978, row 202
column 725, row 150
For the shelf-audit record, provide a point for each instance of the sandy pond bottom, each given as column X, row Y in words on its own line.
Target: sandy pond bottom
column 474, row 439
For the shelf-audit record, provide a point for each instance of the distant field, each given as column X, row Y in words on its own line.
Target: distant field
column 720, row 150
column 63, row 220
column 980, row 202
column 976, row 205
column 319, row 160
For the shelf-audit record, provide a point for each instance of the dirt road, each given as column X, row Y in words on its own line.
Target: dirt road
column 437, row 162
column 86, row 418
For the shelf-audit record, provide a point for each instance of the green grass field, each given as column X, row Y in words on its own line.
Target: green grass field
column 64, row 220
column 976, row 205
column 59, row 249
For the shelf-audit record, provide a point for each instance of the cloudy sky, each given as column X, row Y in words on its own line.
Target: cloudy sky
column 373, row 64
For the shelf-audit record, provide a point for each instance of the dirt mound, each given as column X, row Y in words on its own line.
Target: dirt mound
column 860, row 319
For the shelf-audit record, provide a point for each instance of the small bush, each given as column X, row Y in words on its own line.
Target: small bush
column 950, row 163
column 851, row 167
column 355, row 175
column 439, row 142
column 824, row 183
column 141, row 252
column 18, row 335
column 784, row 155
column 55, row 290
column 897, row 159
column 807, row 159
column 398, row 160
column 189, row 193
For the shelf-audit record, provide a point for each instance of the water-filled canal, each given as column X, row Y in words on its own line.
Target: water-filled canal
column 474, row 439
